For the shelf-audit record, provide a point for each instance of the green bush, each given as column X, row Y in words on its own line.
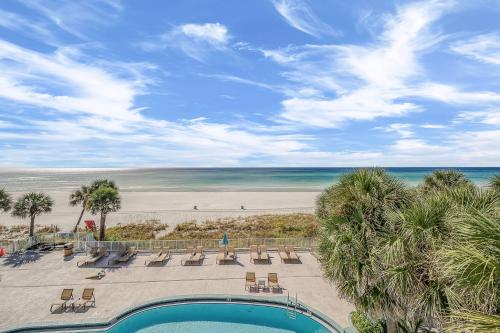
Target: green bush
column 135, row 231
column 364, row 324
column 264, row 226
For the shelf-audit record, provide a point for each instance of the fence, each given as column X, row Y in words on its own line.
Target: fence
column 12, row 246
column 208, row 244
column 83, row 241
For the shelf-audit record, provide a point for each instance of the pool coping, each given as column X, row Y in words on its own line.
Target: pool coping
column 280, row 301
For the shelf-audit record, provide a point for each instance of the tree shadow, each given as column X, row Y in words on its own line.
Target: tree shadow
column 19, row 259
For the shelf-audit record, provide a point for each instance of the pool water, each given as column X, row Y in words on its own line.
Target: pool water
column 217, row 318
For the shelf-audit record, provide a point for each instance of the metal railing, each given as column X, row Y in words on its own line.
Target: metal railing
column 83, row 241
column 208, row 244
column 17, row 245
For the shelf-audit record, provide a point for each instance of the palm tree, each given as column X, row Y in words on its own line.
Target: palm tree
column 79, row 197
column 31, row 205
column 495, row 183
column 403, row 257
column 470, row 261
column 5, row 200
column 98, row 183
column 441, row 180
column 104, row 200
column 352, row 214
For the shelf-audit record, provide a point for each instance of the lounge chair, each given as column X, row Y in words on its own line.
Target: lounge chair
column 250, row 281
column 124, row 256
column 263, row 253
column 66, row 295
column 254, row 253
column 156, row 253
column 86, row 299
column 283, row 254
column 231, row 252
column 196, row 257
column 291, row 253
column 225, row 256
column 272, row 282
column 158, row 258
column 188, row 255
column 221, row 255
column 94, row 255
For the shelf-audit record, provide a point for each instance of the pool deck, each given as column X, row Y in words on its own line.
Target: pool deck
column 30, row 283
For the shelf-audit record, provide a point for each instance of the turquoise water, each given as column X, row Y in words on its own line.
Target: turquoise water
column 209, row 179
column 217, row 318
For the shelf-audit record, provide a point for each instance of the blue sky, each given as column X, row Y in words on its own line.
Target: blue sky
column 249, row 83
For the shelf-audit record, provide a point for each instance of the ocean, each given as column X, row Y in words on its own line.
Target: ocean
column 207, row 179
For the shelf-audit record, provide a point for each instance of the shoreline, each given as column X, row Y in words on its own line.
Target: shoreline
column 173, row 208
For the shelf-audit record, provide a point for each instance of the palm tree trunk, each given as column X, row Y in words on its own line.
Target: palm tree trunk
column 79, row 219
column 102, row 227
column 32, row 225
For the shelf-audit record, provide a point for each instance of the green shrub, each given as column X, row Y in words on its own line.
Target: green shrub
column 364, row 324
column 135, row 231
column 261, row 226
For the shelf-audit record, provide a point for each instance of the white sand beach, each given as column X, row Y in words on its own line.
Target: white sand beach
column 176, row 207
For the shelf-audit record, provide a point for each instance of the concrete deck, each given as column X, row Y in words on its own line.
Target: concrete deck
column 30, row 283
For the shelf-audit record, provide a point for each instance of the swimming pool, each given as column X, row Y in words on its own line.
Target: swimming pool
column 209, row 317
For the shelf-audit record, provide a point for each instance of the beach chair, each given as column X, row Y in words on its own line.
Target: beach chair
column 196, row 257
column 254, row 253
column 66, row 296
column 250, row 281
column 87, row 298
column 231, row 253
column 291, row 254
column 221, row 255
column 283, row 254
column 164, row 256
column 158, row 257
column 124, row 255
column 188, row 255
column 272, row 282
column 264, row 256
column 94, row 255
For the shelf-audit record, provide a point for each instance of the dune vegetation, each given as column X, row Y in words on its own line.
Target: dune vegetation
column 260, row 226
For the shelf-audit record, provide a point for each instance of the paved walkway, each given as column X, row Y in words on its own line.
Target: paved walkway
column 30, row 283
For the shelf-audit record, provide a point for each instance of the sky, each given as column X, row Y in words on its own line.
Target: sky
column 214, row 83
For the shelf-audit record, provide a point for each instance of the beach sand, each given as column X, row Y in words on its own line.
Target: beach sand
column 176, row 207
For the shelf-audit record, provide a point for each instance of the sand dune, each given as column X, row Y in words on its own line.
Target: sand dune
column 176, row 207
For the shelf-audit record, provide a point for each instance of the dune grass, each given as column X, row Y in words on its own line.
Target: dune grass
column 261, row 226
column 146, row 230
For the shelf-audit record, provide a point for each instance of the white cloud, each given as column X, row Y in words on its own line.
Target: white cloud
column 298, row 14
column 403, row 130
column 452, row 95
column 484, row 48
column 488, row 117
column 213, row 33
column 432, row 126
column 77, row 17
column 233, row 78
column 87, row 89
column 384, row 78
column 31, row 28
column 195, row 40
column 363, row 104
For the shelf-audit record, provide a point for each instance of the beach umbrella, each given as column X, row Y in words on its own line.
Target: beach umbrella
column 224, row 240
